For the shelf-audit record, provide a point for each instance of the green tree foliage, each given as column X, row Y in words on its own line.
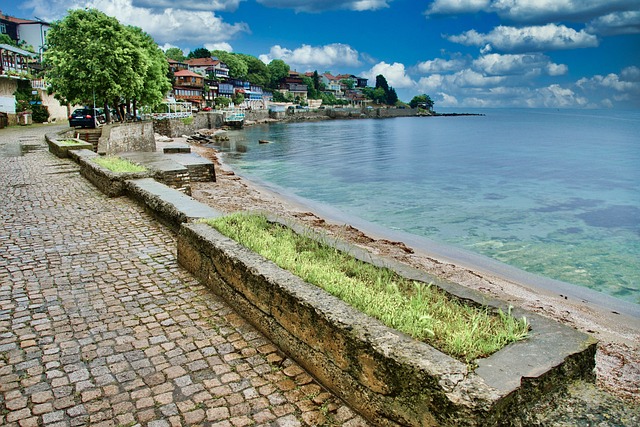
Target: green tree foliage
column 238, row 98
column 222, row 102
column 92, row 57
column 27, row 101
column 420, row 100
column 349, row 83
column 257, row 71
column 280, row 97
column 238, row 68
column 5, row 39
column 175, row 53
column 155, row 81
column 383, row 93
column 200, row 52
column 312, row 91
column 278, row 69
column 377, row 95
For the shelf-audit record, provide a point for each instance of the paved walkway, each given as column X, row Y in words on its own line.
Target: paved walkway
column 100, row 326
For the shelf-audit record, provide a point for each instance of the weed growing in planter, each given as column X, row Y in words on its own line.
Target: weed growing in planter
column 118, row 164
column 420, row 310
column 70, row 142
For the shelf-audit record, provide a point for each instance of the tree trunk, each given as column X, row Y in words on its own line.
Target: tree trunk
column 107, row 113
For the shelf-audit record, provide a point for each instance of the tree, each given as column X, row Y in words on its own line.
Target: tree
column 423, row 100
column 175, row 53
column 257, row 71
column 238, row 68
column 278, row 70
column 200, row 52
column 312, row 92
column 238, row 98
column 390, row 95
column 5, row 39
column 93, row 59
column 156, row 83
column 222, row 102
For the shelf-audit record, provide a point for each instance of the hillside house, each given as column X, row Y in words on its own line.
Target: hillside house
column 213, row 68
column 189, row 86
column 26, row 32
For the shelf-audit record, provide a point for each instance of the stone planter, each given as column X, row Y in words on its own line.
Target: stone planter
column 390, row 378
column 60, row 149
column 110, row 183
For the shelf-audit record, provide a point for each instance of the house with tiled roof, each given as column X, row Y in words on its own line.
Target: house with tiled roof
column 188, row 86
column 26, row 32
column 211, row 67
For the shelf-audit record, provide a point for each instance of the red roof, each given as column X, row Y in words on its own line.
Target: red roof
column 186, row 73
column 202, row 62
column 19, row 20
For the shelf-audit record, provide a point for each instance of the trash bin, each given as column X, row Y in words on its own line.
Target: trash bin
column 4, row 120
column 25, row 119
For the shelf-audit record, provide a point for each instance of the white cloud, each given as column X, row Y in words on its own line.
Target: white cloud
column 323, row 5
column 174, row 26
column 627, row 83
column 518, row 64
column 395, row 74
column 205, row 5
column 308, row 57
column 528, row 39
column 219, row 46
column 440, row 65
column 631, row 74
column 535, row 10
column 446, row 7
column 616, row 23
column 555, row 96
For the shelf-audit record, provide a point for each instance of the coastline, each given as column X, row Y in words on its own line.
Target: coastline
column 614, row 323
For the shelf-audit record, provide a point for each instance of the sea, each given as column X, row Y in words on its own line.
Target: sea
column 555, row 193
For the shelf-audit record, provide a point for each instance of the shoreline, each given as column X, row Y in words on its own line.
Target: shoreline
column 615, row 323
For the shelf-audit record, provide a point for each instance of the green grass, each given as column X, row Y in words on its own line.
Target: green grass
column 70, row 142
column 421, row 310
column 118, row 164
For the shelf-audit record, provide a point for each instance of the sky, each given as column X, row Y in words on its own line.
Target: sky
column 462, row 53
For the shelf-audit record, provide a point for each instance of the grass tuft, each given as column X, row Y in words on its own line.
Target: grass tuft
column 418, row 309
column 70, row 142
column 118, row 164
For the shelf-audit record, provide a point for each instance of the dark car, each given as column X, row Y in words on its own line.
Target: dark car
column 86, row 118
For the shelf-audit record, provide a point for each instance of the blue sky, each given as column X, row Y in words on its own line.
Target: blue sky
column 463, row 53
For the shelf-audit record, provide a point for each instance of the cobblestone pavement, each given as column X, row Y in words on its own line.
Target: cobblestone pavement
column 100, row 326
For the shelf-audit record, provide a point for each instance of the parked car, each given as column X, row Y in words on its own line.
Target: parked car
column 87, row 117
column 206, row 109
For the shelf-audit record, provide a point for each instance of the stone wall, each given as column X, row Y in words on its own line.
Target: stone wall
column 385, row 375
column 123, row 137
column 177, row 127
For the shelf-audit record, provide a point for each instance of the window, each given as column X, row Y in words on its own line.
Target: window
column 3, row 28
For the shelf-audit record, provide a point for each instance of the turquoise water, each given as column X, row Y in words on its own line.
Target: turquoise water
column 555, row 193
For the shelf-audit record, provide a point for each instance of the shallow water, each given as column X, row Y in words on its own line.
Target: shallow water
column 555, row 193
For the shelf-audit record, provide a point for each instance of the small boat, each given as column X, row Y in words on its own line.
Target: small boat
column 263, row 141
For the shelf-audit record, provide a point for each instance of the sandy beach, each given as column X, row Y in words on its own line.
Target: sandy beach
column 618, row 331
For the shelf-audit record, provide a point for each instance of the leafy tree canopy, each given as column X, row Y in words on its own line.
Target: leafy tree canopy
column 200, row 52
column 238, row 68
column 278, row 69
column 91, row 56
column 175, row 53
column 423, row 99
column 257, row 71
